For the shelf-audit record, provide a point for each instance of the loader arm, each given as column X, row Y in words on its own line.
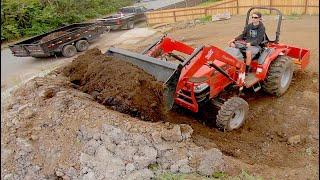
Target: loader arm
column 207, row 56
column 167, row 45
column 204, row 55
column 176, row 76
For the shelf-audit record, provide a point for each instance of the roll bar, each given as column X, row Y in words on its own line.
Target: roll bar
column 268, row 8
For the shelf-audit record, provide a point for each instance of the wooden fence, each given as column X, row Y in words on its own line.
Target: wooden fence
column 287, row 7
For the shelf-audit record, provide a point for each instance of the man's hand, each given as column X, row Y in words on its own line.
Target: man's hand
column 248, row 44
column 231, row 43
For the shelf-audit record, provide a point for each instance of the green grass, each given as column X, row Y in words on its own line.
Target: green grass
column 293, row 16
column 244, row 175
column 219, row 175
column 171, row 176
column 153, row 167
column 206, row 18
column 26, row 18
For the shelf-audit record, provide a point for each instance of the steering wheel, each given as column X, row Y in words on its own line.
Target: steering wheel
column 241, row 45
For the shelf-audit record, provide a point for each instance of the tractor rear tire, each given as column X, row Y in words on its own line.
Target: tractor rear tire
column 82, row 45
column 279, row 76
column 232, row 114
column 69, row 51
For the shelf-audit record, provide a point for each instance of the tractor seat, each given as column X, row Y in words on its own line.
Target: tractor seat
column 262, row 45
column 255, row 56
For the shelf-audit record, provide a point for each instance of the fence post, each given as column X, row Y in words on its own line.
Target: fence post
column 270, row 4
column 237, row 7
column 305, row 6
column 174, row 16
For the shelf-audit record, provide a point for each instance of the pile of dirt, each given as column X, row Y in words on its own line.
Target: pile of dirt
column 52, row 36
column 117, row 84
column 49, row 130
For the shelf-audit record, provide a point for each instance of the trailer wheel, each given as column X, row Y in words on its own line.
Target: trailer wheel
column 130, row 25
column 82, row 45
column 232, row 114
column 69, row 51
column 279, row 76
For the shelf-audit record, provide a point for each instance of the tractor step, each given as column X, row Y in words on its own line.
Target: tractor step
column 251, row 80
column 256, row 87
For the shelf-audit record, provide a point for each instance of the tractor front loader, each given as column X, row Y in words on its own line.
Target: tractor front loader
column 194, row 76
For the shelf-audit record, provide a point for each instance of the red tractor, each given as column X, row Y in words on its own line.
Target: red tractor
column 208, row 73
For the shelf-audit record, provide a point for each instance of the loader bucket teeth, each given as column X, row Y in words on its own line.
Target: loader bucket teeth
column 170, row 88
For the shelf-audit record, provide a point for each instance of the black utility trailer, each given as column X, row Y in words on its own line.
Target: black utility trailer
column 66, row 40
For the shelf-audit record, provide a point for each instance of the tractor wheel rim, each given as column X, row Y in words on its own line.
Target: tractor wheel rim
column 237, row 119
column 285, row 77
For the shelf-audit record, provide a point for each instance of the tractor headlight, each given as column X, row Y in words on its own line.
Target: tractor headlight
column 200, row 87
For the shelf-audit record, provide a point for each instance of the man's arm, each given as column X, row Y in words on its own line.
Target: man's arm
column 240, row 37
column 260, row 36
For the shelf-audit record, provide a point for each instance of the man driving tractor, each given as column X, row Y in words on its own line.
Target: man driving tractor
column 251, row 37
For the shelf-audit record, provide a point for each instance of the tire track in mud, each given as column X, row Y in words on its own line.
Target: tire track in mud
column 264, row 137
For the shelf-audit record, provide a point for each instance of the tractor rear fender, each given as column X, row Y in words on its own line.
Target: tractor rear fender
column 271, row 57
column 300, row 56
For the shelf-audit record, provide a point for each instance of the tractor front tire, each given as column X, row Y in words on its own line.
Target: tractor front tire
column 69, row 51
column 232, row 114
column 82, row 45
column 279, row 76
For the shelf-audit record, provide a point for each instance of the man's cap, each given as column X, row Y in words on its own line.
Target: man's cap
column 258, row 14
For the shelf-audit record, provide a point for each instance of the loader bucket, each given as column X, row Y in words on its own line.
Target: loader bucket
column 163, row 71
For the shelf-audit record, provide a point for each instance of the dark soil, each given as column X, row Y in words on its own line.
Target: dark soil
column 117, row 84
column 52, row 36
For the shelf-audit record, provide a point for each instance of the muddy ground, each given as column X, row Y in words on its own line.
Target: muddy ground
column 279, row 139
column 263, row 139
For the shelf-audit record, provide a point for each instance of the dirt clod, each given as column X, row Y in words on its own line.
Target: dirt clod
column 294, row 139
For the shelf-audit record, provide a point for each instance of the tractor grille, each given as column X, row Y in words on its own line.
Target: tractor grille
column 201, row 97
